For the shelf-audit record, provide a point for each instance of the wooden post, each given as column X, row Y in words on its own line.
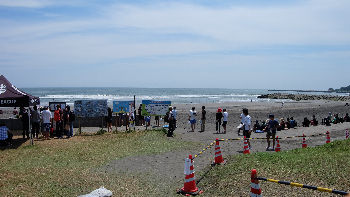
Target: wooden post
column 134, row 112
column 116, row 123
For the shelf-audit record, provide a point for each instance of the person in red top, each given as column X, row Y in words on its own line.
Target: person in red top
column 58, row 116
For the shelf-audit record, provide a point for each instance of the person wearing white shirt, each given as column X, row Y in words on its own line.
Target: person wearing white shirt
column 192, row 118
column 241, row 125
column 174, row 112
column 224, row 123
column 246, row 125
column 46, row 118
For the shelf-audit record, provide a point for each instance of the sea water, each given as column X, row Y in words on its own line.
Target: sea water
column 175, row 95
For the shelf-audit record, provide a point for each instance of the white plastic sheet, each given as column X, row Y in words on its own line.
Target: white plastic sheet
column 100, row 192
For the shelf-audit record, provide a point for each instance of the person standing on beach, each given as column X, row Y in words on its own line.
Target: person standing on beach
column 35, row 117
column 247, row 125
column 192, row 118
column 171, row 121
column 57, row 116
column 271, row 132
column 71, row 121
column 141, row 118
column 109, row 119
column 46, row 119
column 174, row 111
column 218, row 120
column 203, row 118
column 157, row 120
column 225, row 118
column 23, row 114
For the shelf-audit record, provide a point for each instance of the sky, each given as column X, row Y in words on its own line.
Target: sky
column 239, row 44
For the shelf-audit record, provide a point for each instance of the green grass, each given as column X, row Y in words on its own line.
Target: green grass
column 68, row 167
column 323, row 166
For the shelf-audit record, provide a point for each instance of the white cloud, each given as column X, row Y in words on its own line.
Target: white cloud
column 118, row 35
column 314, row 22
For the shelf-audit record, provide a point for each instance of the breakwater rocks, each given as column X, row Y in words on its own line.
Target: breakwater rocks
column 299, row 97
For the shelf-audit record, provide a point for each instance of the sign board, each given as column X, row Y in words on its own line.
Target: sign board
column 90, row 108
column 123, row 106
column 155, row 108
column 52, row 105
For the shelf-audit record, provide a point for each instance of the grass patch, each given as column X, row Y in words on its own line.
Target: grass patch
column 67, row 167
column 323, row 166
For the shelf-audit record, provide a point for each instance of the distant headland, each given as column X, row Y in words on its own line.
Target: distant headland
column 330, row 90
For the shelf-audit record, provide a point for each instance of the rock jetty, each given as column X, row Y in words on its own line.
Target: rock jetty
column 299, row 97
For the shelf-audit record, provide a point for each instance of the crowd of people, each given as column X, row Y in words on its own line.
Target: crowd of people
column 60, row 124
column 42, row 121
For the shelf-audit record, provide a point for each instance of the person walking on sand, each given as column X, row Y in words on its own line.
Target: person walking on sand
column 203, row 118
column 192, row 118
column 218, row 120
column 271, row 132
column 225, row 118
column 247, row 125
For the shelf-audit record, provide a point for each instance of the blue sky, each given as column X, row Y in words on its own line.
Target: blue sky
column 301, row 44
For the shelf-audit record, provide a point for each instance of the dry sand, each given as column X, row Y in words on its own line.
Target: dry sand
column 167, row 169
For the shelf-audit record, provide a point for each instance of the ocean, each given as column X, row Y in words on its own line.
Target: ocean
column 175, row 95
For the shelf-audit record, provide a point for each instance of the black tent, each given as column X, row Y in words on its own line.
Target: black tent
column 10, row 96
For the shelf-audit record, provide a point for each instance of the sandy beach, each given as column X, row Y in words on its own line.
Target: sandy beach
column 168, row 167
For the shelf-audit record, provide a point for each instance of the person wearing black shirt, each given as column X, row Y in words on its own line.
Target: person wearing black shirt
column 109, row 119
column 203, row 118
column 218, row 120
column 23, row 114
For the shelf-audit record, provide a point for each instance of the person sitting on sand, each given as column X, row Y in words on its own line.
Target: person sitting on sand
column 271, row 129
column 218, row 120
column 282, row 125
column 288, row 123
column 346, row 117
column 256, row 126
column 306, row 122
column 5, row 135
column 240, row 126
column 292, row 122
column 192, row 118
column 314, row 121
column 336, row 119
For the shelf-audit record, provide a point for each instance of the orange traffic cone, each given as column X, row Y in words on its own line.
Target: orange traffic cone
column 218, row 155
column 255, row 190
column 190, row 187
column 328, row 139
column 304, row 145
column 246, row 147
column 278, row 147
column 347, row 134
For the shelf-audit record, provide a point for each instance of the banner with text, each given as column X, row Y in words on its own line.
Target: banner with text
column 155, row 108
